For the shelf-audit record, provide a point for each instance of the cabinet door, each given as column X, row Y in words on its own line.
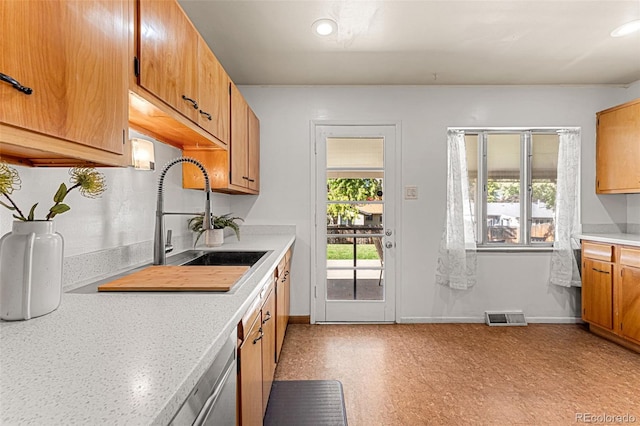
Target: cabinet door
column 282, row 307
column 268, row 346
column 630, row 303
column 239, row 139
column 168, row 55
column 250, row 359
column 618, row 150
column 213, row 94
column 73, row 54
column 597, row 293
column 254, row 151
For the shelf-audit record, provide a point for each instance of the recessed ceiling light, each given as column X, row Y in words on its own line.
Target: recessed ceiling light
column 324, row 27
column 628, row 28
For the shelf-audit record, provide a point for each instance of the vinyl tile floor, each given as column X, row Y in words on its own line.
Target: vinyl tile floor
column 468, row 374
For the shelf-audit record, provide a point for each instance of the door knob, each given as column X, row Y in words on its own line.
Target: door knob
column 388, row 244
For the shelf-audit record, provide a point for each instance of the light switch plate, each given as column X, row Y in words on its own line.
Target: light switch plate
column 410, row 192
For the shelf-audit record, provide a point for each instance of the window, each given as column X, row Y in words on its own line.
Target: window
column 512, row 185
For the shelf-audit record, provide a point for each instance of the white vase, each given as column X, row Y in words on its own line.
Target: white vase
column 30, row 270
column 214, row 237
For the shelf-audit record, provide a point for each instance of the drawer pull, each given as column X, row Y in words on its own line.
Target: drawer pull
column 259, row 337
column 206, row 114
column 264, row 321
column 193, row 103
column 13, row 82
column 600, row 270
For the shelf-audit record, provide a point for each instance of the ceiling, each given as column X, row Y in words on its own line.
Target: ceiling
column 270, row 42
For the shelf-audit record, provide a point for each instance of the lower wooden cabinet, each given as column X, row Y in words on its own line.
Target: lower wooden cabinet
column 283, row 290
column 260, row 336
column 250, row 375
column 597, row 293
column 630, row 293
column 611, row 291
column 268, row 346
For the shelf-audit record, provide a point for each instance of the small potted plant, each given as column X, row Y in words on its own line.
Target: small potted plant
column 214, row 238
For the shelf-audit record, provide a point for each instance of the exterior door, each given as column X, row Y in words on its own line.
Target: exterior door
column 355, row 223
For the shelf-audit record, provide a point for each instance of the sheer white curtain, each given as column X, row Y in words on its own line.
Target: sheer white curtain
column 564, row 267
column 457, row 259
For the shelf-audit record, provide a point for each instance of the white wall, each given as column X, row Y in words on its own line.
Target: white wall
column 125, row 213
column 507, row 281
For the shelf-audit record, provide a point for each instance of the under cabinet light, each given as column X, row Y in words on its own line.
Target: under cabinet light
column 142, row 154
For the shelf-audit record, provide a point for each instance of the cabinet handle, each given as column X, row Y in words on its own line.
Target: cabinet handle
column 194, row 103
column 599, row 270
column 267, row 318
column 245, row 177
column 252, row 180
column 13, row 82
column 259, row 337
column 206, row 114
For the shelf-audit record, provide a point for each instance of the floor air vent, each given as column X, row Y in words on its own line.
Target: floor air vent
column 504, row 318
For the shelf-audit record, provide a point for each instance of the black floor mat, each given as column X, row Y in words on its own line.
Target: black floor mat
column 306, row 402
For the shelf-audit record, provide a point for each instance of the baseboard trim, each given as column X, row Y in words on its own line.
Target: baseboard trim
column 480, row 320
column 300, row 319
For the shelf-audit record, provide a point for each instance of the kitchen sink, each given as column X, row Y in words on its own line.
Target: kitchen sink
column 233, row 258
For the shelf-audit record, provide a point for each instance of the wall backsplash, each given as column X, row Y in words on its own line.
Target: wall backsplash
column 122, row 219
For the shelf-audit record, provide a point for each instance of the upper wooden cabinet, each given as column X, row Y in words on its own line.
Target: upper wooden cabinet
column 237, row 170
column 73, row 55
column 180, row 92
column 618, row 149
column 168, row 53
column 213, row 94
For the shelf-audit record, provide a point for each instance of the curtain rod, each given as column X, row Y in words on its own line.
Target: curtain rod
column 512, row 129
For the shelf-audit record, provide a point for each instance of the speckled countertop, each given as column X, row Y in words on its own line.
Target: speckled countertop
column 624, row 239
column 121, row 358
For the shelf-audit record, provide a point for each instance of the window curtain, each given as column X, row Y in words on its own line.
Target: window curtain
column 457, row 260
column 564, row 267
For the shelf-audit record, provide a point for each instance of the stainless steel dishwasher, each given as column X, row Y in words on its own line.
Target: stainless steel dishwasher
column 213, row 400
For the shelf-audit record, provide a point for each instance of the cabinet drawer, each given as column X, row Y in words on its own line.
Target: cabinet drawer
column 630, row 256
column 597, row 251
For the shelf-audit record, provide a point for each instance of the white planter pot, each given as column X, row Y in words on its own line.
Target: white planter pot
column 30, row 270
column 214, row 238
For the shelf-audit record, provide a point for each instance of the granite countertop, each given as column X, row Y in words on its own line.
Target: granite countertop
column 122, row 358
column 619, row 238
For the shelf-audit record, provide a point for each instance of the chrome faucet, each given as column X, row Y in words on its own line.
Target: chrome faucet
column 159, row 253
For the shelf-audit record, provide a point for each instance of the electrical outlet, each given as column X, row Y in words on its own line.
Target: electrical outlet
column 410, row 192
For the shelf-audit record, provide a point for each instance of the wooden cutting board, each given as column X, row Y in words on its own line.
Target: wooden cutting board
column 178, row 278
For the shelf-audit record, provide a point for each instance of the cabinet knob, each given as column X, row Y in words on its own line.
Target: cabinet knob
column 206, row 114
column 193, row 103
column 16, row 85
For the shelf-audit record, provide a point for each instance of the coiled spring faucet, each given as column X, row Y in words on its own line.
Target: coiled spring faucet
column 159, row 254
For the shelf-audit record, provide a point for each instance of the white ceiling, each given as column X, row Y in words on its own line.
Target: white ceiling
column 269, row 42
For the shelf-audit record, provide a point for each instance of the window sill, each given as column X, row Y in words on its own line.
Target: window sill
column 513, row 249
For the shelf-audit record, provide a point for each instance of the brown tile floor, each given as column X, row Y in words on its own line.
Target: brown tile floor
column 467, row 374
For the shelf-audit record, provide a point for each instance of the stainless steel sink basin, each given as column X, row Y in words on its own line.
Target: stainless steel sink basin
column 235, row 258
column 253, row 259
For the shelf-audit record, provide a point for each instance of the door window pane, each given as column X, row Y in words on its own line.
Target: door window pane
column 355, row 153
column 361, row 284
column 503, row 188
column 544, row 175
column 354, row 251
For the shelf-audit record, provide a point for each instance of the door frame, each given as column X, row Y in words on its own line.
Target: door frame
column 397, row 207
